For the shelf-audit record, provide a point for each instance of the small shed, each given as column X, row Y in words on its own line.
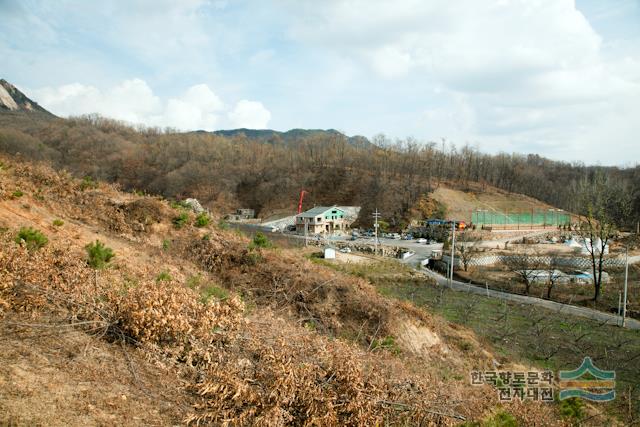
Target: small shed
column 329, row 253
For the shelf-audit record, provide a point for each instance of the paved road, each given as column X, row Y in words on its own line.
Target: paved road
column 573, row 310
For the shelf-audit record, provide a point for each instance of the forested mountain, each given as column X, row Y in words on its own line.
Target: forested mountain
column 230, row 169
column 290, row 136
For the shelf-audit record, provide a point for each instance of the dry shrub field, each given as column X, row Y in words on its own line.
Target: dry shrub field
column 195, row 325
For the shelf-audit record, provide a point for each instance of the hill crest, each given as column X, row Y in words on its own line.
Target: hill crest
column 274, row 136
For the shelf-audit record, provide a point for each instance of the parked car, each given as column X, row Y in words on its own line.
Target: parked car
column 345, row 250
column 421, row 240
column 407, row 237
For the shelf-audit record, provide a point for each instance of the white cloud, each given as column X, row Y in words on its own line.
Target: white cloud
column 249, row 114
column 516, row 75
column 456, row 40
column 133, row 101
column 390, row 61
column 521, row 75
column 203, row 97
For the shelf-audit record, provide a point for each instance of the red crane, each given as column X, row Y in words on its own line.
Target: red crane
column 302, row 193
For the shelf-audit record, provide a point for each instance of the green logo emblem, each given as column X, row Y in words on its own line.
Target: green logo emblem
column 588, row 382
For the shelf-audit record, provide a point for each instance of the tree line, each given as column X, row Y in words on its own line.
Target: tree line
column 267, row 175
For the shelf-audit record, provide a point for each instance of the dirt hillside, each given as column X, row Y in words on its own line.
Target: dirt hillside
column 461, row 203
column 196, row 324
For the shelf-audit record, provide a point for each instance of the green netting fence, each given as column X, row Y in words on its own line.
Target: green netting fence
column 544, row 218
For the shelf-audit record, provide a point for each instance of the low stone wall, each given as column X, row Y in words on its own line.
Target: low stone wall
column 388, row 251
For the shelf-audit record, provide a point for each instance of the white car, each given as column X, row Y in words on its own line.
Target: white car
column 421, row 241
column 345, row 250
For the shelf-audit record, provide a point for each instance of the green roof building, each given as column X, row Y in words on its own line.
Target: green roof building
column 322, row 220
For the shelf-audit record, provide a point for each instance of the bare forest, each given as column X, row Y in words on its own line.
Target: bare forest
column 230, row 171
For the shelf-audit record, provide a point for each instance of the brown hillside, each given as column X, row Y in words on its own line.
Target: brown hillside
column 461, row 203
column 193, row 325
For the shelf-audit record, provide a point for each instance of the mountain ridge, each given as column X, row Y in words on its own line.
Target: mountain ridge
column 12, row 99
column 291, row 135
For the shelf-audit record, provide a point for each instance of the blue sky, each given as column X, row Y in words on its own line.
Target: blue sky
column 555, row 77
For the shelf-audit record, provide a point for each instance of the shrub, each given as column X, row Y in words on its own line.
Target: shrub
column 252, row 258
column 99, row 255
column 166, row 244
column 33, row 238
column 387, row 343
column 194, row 281
column 202, row 220
column 164, row 276
column 180, row 205
column 213, row 291
column 58, row 223
column 180, row 220
column 16, row 194
column 572, row 408
column 88, row 183
column 499, row 419
column 260, row 241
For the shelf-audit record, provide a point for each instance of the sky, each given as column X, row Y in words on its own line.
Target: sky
column 559, row 78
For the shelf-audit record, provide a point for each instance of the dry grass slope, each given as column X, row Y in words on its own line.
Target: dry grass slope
column 281, row 341
column 461, row 203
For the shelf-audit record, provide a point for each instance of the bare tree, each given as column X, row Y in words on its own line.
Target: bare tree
column 552, row 273
column 597, row 227
column 525, row 265
column 467, row 248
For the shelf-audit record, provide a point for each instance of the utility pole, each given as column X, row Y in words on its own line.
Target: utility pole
column 376, row 215
column 453, row 246
column 306, row 227
column 619, row 306
column 626, row 280
column 533, row 220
